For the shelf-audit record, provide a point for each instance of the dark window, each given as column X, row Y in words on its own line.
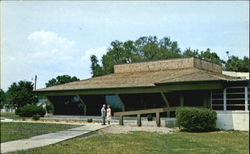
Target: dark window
column 235, row 98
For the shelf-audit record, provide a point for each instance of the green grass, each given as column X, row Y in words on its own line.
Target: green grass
column 10, row 115
column 152, row 143
column 13, row 130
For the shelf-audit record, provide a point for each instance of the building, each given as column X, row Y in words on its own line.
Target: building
column 242, row 75
column 156, row 84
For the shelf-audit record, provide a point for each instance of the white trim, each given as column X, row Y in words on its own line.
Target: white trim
column 224, row 99
column 246, row 99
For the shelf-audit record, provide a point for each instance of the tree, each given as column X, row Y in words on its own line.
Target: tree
column 95, row 67
column 142, row 49
column 149, row 48
column 191, row 53
column 210, row 56
column 21, row 94
column 205, row 55
column 61, row 80
column 234, row 63
column 2, row 98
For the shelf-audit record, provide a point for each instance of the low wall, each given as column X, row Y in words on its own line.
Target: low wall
column 233, row 120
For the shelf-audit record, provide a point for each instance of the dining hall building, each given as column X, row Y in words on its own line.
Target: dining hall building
column 157, row 84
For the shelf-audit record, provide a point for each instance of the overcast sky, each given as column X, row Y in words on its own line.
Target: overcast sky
column 48, row 39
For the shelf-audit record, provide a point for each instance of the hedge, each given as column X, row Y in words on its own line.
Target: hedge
column 36, row 117
column 196, row 119
column 30, row 110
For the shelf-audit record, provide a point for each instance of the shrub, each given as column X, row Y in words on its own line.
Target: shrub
column 30, row 110
column 196, row 119
column 149, row 117
column 36, row 117
column 90, row 120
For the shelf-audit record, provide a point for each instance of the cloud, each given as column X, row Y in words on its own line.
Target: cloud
column 48, row 54
column 50, row 39
column 49, row 48
column 98, row 52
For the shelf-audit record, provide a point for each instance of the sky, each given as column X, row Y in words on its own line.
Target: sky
column 52, row 38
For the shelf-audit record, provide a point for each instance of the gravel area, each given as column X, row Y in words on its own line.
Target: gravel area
column 117, row 129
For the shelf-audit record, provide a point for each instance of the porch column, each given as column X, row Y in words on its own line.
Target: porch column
column 121, row 120
column 139, row 120
column 246, row 99
column 158, row 119
column 84, row 105
column 224, row 99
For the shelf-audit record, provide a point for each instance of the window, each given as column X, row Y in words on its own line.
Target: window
column 235, row 98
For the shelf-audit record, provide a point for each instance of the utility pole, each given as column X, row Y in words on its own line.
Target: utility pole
column 35, row 82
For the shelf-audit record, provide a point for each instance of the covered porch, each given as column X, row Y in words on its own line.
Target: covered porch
column 89, row 102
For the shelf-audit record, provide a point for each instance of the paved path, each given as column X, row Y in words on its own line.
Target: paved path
column 47, row 139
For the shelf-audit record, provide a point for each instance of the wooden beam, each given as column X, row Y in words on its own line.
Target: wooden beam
column 119, row 98
column 166, row 102
column 135, row 112
column 84, row 105
column 146, row 111
column 165, row 99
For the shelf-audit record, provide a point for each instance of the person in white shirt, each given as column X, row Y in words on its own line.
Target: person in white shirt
column 108, row 114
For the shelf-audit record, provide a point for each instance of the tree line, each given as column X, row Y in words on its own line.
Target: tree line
column 151, row 48
column 143, row 49
column 21, row 93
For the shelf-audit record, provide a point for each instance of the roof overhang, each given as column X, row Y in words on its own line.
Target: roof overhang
column 233, row 83
column 159, row 87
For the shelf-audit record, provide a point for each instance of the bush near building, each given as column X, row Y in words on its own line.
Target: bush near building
column 36, row 117
column 30, row 110
column 196, row 119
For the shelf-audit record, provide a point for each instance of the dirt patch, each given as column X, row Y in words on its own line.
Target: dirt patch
column 117, row 129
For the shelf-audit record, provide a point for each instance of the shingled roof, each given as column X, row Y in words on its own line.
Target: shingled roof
column 149, row 74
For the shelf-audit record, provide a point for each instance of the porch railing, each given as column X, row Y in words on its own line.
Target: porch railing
column 157, row 111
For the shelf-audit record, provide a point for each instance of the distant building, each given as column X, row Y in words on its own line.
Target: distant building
column 7, row 108
column 242, row 75
column 156, row 84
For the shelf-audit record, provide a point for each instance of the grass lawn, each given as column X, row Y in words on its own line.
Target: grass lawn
column 148, row 143
column 10, row 115
column 13, row 131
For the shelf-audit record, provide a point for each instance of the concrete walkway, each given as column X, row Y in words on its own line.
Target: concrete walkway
column 47, row 139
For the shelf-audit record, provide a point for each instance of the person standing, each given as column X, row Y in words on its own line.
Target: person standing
column 109, row 114
column 103, row 114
